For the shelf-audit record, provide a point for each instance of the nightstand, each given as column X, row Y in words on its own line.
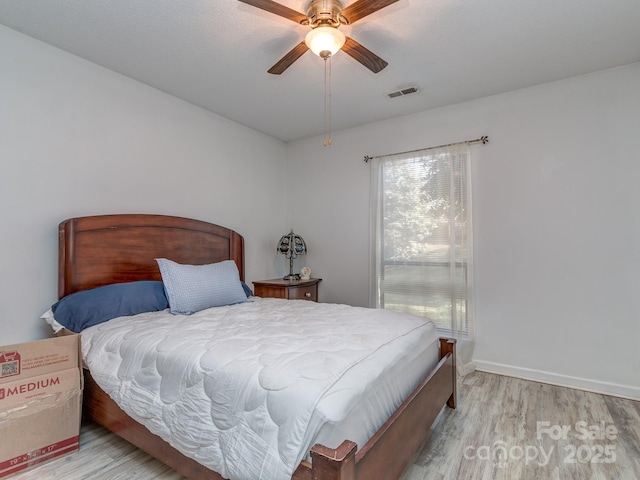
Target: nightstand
column 289, row 289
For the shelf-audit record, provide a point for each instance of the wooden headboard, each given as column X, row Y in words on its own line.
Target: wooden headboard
column 105, row 249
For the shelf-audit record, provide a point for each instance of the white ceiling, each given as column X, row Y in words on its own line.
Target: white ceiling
column 216, row 53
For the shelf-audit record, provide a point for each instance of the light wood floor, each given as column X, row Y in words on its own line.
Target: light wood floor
column 465, row 444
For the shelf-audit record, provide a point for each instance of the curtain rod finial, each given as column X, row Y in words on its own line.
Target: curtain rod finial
column 367, row 158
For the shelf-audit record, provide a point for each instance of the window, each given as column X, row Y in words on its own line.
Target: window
column 421, row 236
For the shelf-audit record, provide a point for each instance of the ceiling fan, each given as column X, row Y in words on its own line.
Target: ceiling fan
column 325, row 17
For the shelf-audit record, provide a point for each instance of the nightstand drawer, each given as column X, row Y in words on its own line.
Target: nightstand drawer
column 289, row 289
column 304, row 293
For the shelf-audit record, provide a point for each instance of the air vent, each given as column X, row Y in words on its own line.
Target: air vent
column 403, row 92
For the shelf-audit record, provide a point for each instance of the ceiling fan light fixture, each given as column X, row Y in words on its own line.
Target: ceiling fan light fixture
column 321, row 40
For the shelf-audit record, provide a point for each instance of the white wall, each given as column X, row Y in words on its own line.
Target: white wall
column 556, row 202
column 76, row 139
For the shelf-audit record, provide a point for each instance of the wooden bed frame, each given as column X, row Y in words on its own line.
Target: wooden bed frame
column 100, row 250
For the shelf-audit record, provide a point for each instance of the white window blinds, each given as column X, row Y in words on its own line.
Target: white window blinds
column 421, row 236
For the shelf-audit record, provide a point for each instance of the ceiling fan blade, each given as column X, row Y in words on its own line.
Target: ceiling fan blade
column 278, row 9
column 286, row 61
column 365, row 56
column 361, row 8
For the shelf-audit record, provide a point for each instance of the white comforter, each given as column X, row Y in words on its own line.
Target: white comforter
column 238, row 388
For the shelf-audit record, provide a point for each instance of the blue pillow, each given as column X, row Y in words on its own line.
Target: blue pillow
column 247, row 290
column 84, row 309
column 191, row 288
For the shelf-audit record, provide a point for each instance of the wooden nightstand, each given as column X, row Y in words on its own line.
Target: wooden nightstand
column 291, row 290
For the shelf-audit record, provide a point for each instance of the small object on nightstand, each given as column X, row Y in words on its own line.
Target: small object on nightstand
column 305, row 273
column 289, row 289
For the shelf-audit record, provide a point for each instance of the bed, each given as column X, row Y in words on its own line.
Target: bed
column 114, row 249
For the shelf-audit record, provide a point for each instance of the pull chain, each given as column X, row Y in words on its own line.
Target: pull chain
column 324, row 119
column 327, row 101
column 330, row 103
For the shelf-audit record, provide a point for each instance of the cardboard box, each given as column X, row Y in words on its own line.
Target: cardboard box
column 40, row 402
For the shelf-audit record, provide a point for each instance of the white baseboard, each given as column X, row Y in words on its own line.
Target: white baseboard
column 596, row 386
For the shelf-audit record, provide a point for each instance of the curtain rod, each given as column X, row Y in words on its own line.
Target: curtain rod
column 484, row 140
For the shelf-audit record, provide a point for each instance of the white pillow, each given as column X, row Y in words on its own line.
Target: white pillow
column 191, row 288
column 49, row 318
